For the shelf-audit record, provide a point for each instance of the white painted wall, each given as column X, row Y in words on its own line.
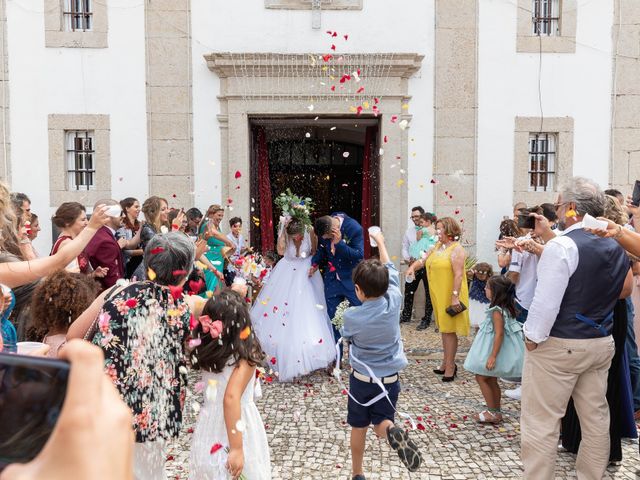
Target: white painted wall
column 249, row 27
column 576, row 85
column 76, row 81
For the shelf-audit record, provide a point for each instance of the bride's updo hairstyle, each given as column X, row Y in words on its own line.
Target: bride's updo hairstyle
column 295, row 227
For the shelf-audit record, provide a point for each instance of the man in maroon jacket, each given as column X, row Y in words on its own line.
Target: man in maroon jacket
column 104, row 250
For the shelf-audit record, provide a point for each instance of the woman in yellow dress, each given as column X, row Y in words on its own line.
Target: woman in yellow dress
column 447, row 287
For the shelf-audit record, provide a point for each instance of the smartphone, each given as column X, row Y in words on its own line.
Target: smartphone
column 32, row 391
column 635, row 199
column 526, row 221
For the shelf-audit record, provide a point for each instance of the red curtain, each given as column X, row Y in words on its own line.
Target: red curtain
column 264, row 189
column 367, row 187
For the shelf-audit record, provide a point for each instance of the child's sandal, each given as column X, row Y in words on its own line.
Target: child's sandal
column 488, row 417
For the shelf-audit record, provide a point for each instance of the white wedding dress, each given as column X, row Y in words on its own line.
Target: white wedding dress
column 290, row 316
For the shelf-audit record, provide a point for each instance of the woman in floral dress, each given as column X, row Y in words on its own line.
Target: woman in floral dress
column 142, row 329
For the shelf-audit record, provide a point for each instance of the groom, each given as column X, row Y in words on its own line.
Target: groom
column 340, row 249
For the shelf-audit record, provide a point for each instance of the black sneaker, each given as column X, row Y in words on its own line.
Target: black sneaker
column 407, row 450
column 358, row 477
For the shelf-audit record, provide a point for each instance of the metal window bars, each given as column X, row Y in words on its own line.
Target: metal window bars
column 542, row 160
column 81, row 167
column 546, row 17
column 78, row 15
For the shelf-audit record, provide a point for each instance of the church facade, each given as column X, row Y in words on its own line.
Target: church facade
column 369, row 106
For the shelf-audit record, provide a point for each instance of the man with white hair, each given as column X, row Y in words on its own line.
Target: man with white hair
column 568, row 335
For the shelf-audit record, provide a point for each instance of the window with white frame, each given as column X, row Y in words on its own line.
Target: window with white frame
column 542, row 161
column 546, row 17
column 81, row 167
column 78, row 15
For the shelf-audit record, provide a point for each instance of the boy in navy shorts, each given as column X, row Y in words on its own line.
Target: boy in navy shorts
column 373, row 329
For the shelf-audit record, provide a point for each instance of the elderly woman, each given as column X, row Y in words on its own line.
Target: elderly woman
column 448, row 288
column 142, row 329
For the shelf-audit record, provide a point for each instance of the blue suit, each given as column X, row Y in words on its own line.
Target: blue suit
column 338, row 267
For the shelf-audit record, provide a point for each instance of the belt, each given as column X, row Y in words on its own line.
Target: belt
column 385, row 380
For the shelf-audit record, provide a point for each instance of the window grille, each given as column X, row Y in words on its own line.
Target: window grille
column 546, row 17
column 78, row 15
column 80, row 160
column 542, row 161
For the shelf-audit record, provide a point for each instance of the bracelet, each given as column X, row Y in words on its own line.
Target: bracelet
column 618, row 234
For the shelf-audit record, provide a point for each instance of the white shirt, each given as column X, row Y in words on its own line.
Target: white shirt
column 559, row 260
column 238, row 242
column 408, row 239
column 526, row 264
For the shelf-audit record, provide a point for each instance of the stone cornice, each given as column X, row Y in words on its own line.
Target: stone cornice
column 229, row 65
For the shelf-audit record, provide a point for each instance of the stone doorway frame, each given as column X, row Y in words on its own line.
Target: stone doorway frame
column 287, row 96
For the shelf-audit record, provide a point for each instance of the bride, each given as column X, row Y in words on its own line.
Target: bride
column 289, row 315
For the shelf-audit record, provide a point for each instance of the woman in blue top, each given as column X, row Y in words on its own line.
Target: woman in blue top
column 498, row 349
column 216, row 240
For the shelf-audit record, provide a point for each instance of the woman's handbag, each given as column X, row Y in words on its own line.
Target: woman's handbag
column 453, row 310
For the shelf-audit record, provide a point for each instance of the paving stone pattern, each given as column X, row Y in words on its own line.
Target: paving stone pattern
column 309, row 438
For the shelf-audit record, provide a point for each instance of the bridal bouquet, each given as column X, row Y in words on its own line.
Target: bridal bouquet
column 338, row 318
column 295, row 206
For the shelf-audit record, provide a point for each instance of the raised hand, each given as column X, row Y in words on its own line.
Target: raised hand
column 99, row 218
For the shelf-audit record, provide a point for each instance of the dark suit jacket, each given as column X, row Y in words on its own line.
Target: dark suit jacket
column 349, row 252
column 103, row 251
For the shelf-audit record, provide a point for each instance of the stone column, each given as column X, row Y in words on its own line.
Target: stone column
column 169, row 109
column 5, row 140
column 456, row 104
column 625, row 128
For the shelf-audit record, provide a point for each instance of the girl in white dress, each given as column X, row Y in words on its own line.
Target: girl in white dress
column 229, row 438
column 290, row 315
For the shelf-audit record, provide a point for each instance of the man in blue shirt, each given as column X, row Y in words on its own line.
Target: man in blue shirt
column 376, row 357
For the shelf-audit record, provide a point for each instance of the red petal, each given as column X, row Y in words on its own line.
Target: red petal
column 333, row 47
column 420, row 426
column 376, row 101
column 327, row 57
column 394, row 118
column 335, row 34
column 215, row 447
column 157, row 250
column 346, row 37
column 179, row 273
column 238, row 174
column 385, row 139
column 320, row 341
column 229, row 201
column 333, row 88
column 273, row 360
column 360, row 90
column 131, row 303
column 176, row 292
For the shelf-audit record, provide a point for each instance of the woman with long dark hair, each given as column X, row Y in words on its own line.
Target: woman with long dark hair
column 130, row 231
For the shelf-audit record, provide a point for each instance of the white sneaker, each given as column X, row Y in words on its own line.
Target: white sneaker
column 515, row 394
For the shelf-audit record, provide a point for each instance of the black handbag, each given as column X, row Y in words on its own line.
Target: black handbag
column 453, row 310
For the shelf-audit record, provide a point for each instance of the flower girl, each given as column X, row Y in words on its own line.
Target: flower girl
column 229, row 439
column 498, row 349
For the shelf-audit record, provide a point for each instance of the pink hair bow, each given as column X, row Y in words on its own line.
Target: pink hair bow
column 212, row 327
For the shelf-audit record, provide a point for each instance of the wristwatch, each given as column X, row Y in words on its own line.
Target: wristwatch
column 456, row 293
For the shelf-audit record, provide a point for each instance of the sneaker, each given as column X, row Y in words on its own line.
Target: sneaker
column 407, row 450
column 424, row 324
column 514, row 394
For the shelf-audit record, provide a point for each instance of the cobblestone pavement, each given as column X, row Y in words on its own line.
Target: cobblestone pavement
column 309, row 438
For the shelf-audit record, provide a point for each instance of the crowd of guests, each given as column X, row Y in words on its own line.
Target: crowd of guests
column 157, row 296
column 557, row 320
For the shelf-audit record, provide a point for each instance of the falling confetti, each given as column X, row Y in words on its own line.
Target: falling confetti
column 307, row 135
column 151, row 275
column 244, row 334
column 310, row 108
column 400, row 182
column 215, row 447
column 394, row 118
column 238, row 174
column 157, row 250
column 403, row 125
